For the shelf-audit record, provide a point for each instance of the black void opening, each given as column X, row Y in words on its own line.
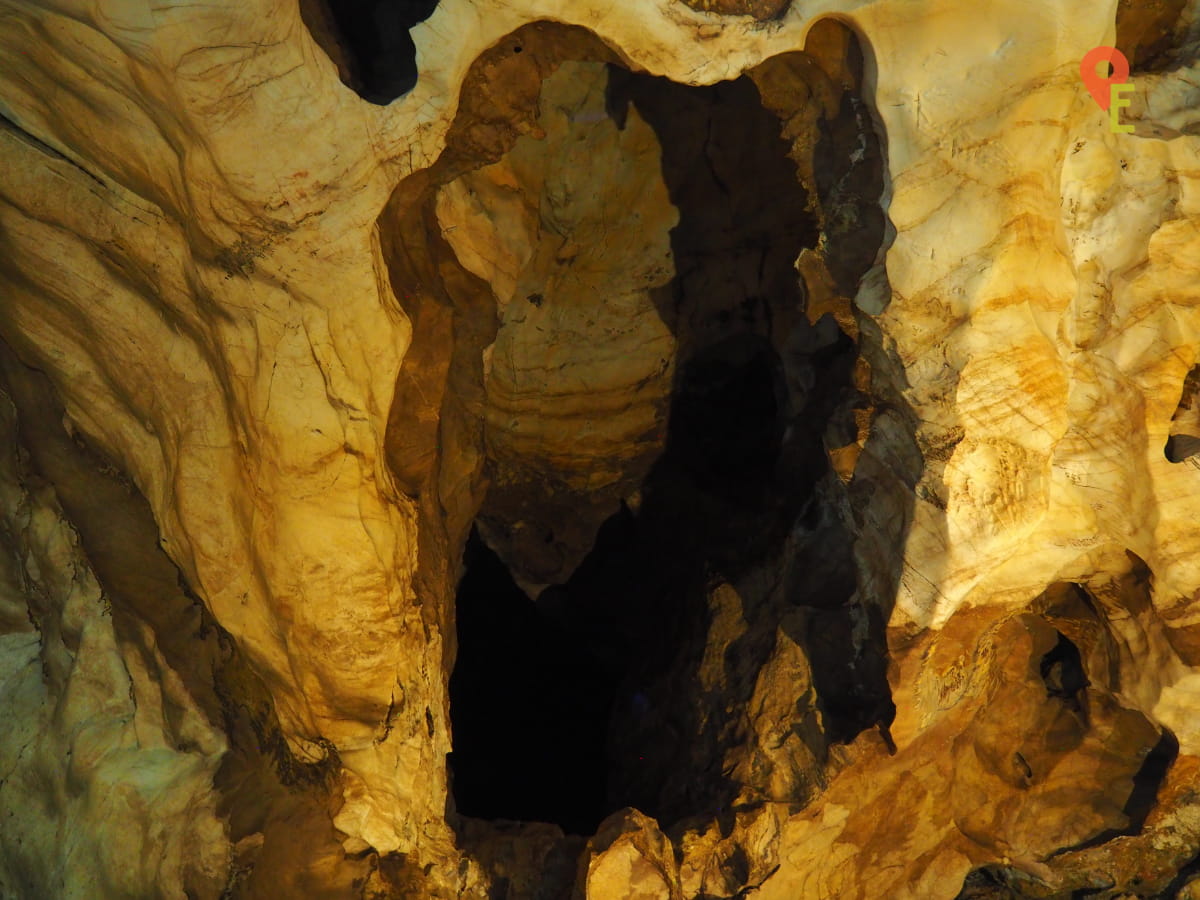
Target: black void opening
column 571, row 705
column 529, row 706
column 1183, row 442
column 727, row 420
column 1062, row 671
column 370, row 43
column 1149, row 779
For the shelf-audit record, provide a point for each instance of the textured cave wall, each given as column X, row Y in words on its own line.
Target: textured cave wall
column 823, row 374
column 104, row 749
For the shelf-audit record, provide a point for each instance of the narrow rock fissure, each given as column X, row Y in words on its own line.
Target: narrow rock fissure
column 1183, row 443
column 7, row 124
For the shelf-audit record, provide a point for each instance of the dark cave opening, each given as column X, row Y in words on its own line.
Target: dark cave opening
column 529, row 706
column 581, row 700
column 727, row 423
column 562, row 708
column 1062, row 671
column 369, row 41
column 1183, row 442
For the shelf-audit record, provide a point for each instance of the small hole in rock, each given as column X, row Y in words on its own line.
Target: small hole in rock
column 1062, row 671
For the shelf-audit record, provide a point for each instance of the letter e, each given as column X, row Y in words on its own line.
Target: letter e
column 1115, row 102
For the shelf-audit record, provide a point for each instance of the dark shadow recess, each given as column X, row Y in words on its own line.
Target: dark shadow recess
column 584, row 700
column 369, row 42
column 1183, row 443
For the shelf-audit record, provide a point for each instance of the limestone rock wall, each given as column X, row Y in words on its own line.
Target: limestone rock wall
column 576, row 392
column 104, row 749
column 272, row 350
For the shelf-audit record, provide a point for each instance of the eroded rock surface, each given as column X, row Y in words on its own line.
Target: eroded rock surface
column 663, row 450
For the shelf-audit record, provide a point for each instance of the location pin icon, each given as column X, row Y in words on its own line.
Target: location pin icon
column 1100, row 86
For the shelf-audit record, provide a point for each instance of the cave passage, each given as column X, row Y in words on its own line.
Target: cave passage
column 562, row 707
column 583, row 699
column 529, row 706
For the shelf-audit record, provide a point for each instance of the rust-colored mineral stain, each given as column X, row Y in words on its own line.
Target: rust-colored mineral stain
column 763, row 10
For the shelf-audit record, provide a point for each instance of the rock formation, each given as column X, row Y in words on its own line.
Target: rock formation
column 705, row 449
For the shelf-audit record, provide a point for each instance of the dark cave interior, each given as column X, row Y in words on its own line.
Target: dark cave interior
column 530, row 706
column 581, row 701
column 369, row 41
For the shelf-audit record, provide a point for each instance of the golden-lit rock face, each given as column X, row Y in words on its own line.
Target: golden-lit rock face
column 819, row 378
column 571, row 230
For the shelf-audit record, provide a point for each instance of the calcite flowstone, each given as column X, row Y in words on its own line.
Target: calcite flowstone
column 269, row 349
